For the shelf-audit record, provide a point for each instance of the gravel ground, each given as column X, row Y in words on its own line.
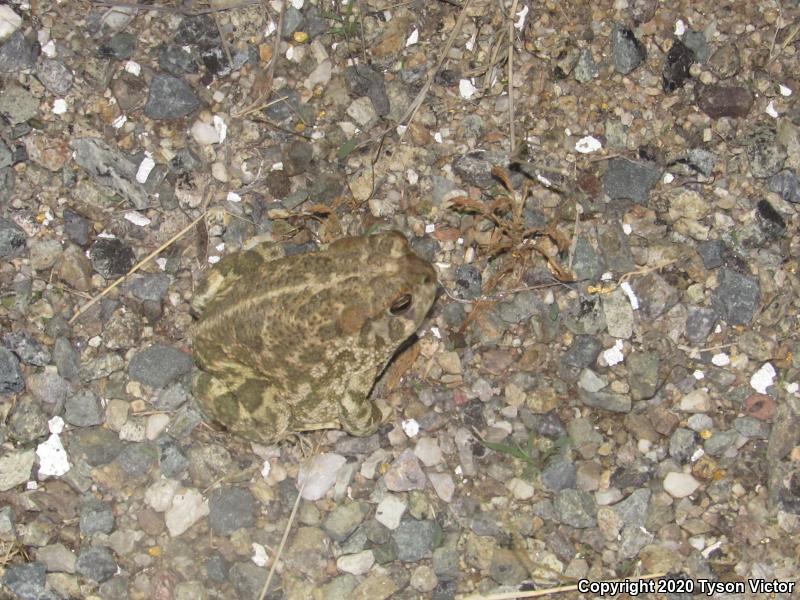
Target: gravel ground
column 607, row 387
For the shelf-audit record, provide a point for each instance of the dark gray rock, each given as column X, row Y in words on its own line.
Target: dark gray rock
column 120, row 46
column 96, row 516
column 699, row 324
column 786, row 184
column 643, row 374
column 27, row 422
column 110, row 168
column 468, row 282
column 12, row 239
column 18, row 53
column 11, row 380
column 682, row 444
column 98, row 446
column 656, row 296
column 770, row 220
column 719, row 101
column 84, row 409
column 248, row 579
column 697, row 43
column 583, row 351
column 344, row 519
column 363, row 80
column 718, row 443
column 27, row 581
column 177, row 60
column 712, row 252
column 675, row 70
column 560, row 473
column 66, row 359
column 170, row 98
column 736, row 297
column 27, row 348
column 586, row 264
column 111, row 257
column 585, row 315
column 475, row 168
column 576, row 509
column 137, row 459
column 628, row 180
column 415, row 540
column 752, row 428
column 628, row 52
column 173, row 461
column 96, row 563
column 159, row 365
column 610, row 401
column 231, row 508
column 694, row 161
column 150, row 286
column 765, row 153
column 76, row 227
column 586, row 68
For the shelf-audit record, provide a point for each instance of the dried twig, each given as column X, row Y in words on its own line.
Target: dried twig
column 555, row 590
column 136, row 267
column 511, row 76
column 262, row 86
column 175, row 9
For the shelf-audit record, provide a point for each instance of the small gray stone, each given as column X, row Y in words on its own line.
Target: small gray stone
column 505, row 567
column 120, row 46
column 765, row 153
column 609, row 401
column 97, row 445
column 786, row 184
column 111, row 168
column 586, row 263
column 560, row 473
column 618, row 314
column 136, row 459
column 27, row 581
column 171, row 397
column 583, row 351
column 248, row 579
column 628, row 180
column 415, row 540
column 656, row 296
column 96, row 517
column 712, row 252
column 27, row 422
column 615, row 248
column 584, row 315
column 586, row 68
column 643, row 374
column 12, row 239
column 57, row 558
column 173, row 461
column 18, row 104
column 27, row 348
column 54, row 75
column 718, row 443
column 84, row 409
column 725, row 61
column 682, row 444
column 15, row 468
column 696, row 160
column 151, row 286
column 363, row 80
column 752, row 428
column 628, row 52
column 76, row 227
column 96, row 563
column 230, row 508
column 111, row 257
column 475, row 168
column 736, row 298
column 468, row 282
column 177, row 60
column 170, row 98
column 66, row 359
column 48, row 387
column 725, row 101
column 159, row 365
column 18, row 53
column 697, row 43
column 11, row 381
column 576, row 509
column 344, row 519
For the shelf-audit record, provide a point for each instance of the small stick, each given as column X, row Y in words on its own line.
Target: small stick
column 136, row 267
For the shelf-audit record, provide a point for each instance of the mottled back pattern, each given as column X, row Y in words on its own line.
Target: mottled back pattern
column 295, row 343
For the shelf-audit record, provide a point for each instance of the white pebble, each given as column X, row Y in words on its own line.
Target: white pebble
column 680, row 485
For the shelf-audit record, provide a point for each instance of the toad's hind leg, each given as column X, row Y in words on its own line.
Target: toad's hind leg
column 243, row 407
column 359, row 416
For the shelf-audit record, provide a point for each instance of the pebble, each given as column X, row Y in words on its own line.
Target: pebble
column 428, row 451
column 96, row 563
column 320, row 475
column 158, row 365
column 12, row 239
column 356, row 564
column 627, row 51
column 696, row 401
column 443, row 485
column 736, row 298
column 110, row 168
column 626, row 179
column 188, row 507
column 230, row 508
column 725, row 101
column 84, row 409
column 680, row 485
column 170, row 98
column 15, row 468
column 344, row 519
column 17, row 53
column 57, row 558
column 415, row 540
column 675, row 70
column 405, row 474
column 390, row 511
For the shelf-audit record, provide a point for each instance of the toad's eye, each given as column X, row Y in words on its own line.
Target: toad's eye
column 401, row 304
